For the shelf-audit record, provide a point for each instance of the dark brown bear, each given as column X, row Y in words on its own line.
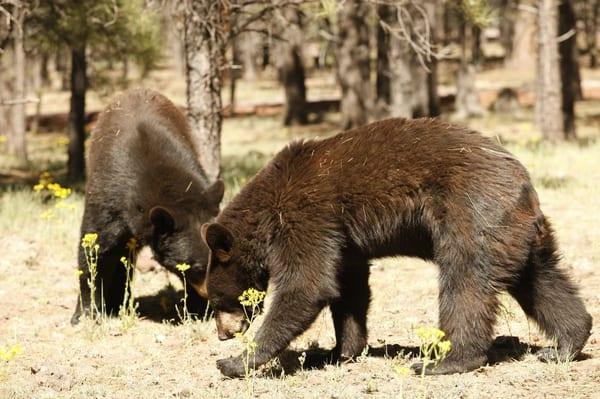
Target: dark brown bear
column 310, row 221
column 144, row 182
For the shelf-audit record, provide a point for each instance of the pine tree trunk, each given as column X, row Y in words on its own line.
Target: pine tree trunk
column 290, row 67
column 16, row 140
column 44, row 73
column 5, row 93
column 569, row 67
column 233, row 74
column 467, row 103
column 523, row 47
column 382, row 83
column 594, row 49
column 548, row 96
column 76, row 161
column 61, row 67
column 408, row 85
column 401, row 83
column 353, row 63
column 435, row 12
column 204, row 45
column 250, row 49
column 508, row 10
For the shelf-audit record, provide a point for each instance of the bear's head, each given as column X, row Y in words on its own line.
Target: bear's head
column 175, row 235
column 230, row 273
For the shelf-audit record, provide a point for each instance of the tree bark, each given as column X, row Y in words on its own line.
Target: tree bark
column 76, row 161
column 523, row 47
column 382, row 83
column 16, row 143
column 204, row 47
column 290, row 67
column 44, row 73
column 353, row 63
column 569, row 67
column 249, row 52
column 405, row 87
column 61, row 67
column 594, row 49
column 5, row 94
column 467, row 100
column 548, row 108
column 508, row 11
column 401, row 83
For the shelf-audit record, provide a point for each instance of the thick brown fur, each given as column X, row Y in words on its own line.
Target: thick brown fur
column 144, row 181
column 311, row 219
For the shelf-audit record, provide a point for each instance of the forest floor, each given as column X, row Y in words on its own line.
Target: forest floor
column 158, row 357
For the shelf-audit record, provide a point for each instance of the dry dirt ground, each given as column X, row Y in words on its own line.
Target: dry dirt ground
column 159, row 358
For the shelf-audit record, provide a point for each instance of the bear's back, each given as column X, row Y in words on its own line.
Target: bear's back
column 141, row 147
column 391, row 167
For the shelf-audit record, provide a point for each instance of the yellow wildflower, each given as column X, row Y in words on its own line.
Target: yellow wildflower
column 430, row 334
column 89, row 240
column 9, row 353
column 182, row 267
column 444, row 347
column 251, row 297
column 402, row 371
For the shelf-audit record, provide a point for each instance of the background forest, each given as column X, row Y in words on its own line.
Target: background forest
column 252, row 75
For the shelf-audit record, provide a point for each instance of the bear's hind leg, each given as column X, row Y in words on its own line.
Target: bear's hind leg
column 350, row 310
column 548, row 296
column 467, row 313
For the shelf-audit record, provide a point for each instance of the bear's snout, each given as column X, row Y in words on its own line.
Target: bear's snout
column 229, row 324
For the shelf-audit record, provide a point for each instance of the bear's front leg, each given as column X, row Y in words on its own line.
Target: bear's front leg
column 291, row 312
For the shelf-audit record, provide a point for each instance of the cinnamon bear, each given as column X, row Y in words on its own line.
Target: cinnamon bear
column 310, row 221
column 144, row 181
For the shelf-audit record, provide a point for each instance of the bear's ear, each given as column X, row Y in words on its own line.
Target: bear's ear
column 219, row 239
column 162, row 219
column 214, row 193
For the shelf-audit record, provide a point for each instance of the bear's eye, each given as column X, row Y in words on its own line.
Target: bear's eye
column 140, row 209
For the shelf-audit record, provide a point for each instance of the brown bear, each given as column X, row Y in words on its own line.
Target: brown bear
column 310, row 221
column 144, row 181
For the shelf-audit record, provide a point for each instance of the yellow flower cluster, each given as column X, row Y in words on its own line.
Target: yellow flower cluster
column 182, row 267
column 7, row 354
column 430, row 334
column 46, row 183
column 89, row 240
column 402, row 371
column 433, row 346
column 53, row 190
column 252, row 297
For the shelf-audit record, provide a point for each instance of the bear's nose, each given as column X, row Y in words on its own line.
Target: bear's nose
column 224, row 335
column 228, row 324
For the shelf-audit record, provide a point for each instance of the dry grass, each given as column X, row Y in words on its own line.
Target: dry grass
column 156, row 358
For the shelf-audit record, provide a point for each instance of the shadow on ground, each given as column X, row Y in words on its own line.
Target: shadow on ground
column 163, row 306
column 504, row 349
